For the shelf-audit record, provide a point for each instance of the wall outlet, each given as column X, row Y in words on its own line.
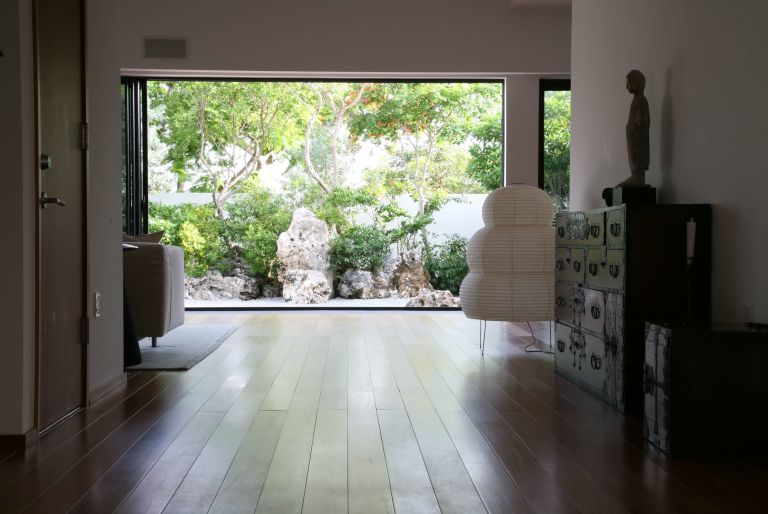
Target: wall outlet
column 749, row 313
column 97, row 304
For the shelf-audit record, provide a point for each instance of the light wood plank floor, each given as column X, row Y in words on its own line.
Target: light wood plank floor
column 325, row 412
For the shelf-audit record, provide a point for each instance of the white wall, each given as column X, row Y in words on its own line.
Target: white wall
column 521, row 133
column 17, row 210
column 350, row 35
column 706, row 70
column 423, row 38
column 104, row 210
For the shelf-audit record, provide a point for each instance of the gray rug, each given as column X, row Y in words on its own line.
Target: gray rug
column 182, row 347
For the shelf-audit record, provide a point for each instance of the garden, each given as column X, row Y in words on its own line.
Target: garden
column 310, row 191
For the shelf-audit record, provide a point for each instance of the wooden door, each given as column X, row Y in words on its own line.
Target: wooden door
column 61, row 113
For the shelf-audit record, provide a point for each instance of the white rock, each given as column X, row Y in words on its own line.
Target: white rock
column 409, row 277
column 432, row 298
column 304, row 252
column 365, row 285
column 306, row 244
column 306, row 287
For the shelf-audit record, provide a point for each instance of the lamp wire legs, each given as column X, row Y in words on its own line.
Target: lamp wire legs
column 483, row 327
column 529, row 345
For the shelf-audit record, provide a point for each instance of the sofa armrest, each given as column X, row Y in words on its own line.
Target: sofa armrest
column 153, row 276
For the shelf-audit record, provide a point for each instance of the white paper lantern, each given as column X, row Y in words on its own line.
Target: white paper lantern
column 512, row 259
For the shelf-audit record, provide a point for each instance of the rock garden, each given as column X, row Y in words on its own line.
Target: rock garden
column 315, row 191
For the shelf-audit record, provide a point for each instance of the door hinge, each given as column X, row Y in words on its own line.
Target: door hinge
column 84, row 136
column 84, row 331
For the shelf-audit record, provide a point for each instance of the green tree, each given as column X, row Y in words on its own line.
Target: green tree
column 224, row 132
column 557, row 146
column 485, row 164
column 333, row 101
column 417, row 121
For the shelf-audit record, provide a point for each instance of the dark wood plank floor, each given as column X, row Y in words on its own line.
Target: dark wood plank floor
column 324, row 412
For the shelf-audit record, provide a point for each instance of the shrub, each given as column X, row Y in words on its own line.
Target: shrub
column 447, row 266
column 260, row 251
column 256, row 219
column 197, row 230
column 362, row 247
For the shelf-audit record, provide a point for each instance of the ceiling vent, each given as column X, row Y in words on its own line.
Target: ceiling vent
column 157, row 48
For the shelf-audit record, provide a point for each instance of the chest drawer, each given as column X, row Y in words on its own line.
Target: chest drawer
column 615, row 226
column 605, row 268
column 572, row 228
column 564, row 302
column 595, row 228
column 580, row 357
column 570, row 264
column 593, row 311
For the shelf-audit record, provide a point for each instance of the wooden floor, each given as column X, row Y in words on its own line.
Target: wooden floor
column 324, row 412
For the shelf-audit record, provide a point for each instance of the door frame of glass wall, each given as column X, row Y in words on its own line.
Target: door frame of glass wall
column 544, row 86
column 135, row 155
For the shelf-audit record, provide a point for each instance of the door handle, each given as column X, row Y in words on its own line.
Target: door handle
column 45, row 200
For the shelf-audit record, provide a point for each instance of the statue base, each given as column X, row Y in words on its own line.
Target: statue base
column 629, row 195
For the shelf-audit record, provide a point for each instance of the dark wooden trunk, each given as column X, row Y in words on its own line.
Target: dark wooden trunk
column 706, row 390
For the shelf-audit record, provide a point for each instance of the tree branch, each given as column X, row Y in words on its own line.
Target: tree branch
column 307, row 142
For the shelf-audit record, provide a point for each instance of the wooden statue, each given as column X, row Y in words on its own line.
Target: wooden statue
column 637, row 131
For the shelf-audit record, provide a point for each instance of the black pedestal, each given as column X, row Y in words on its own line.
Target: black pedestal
column 634, row 195
column 131, row 350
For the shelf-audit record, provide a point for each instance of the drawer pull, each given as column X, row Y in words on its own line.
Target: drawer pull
column 615, row 229
column 595, row 310
column 594, row 230
column 596, row 362
column 593, row 268
column 560, row 265
column 613, row 269
column 649, row 379
column 577, row 266
column 560, row 345
column 560, row 232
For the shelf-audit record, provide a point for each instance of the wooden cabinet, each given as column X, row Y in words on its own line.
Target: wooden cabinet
column 617, row 268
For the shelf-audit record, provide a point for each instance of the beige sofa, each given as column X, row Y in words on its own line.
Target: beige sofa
column 154, row 283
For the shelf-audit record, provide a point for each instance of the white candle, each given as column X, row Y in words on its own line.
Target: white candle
column 691, row 240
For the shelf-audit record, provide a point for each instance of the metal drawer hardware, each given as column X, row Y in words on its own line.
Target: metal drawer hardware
column 594, row 230
column 577, row 226
column 595, row 361
column 560, row 265
column 613, row 269
column 577, row 266
column 649, row 379
column 593, row 268
column 595, row 310
column 560, row 232
column 560, row 345
column 578, row 347
column 615, row 229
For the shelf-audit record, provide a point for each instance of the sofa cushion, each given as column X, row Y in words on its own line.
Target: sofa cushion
column 154, row 237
